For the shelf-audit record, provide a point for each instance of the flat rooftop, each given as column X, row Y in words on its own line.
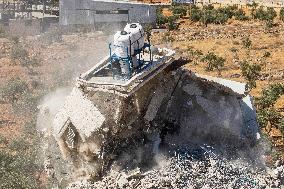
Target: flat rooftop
column 100, row 77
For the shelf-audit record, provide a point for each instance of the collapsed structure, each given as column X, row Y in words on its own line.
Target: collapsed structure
column 139, row 99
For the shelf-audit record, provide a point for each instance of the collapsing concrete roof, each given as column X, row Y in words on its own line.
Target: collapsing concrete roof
column 81, row 112
column 246, row 101
column 235, row 86
column 86, row 117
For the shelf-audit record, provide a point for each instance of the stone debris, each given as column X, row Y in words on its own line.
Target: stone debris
column 192, row 168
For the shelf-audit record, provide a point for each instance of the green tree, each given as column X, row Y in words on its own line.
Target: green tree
column 253, row 7
column 270, row 95
column 268, row 118
column 229, row 11
column 161, row 19
column 240, row 15
column 260, row 13
column 281, row 15
column 271, row 13
column 251, row 72
column 213, row 62
column 267, row 115
column 179, row 10
column 172, row 24
column 196, row 15
column 266, row 16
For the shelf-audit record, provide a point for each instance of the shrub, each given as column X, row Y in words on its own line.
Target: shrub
column 209, row 15
column 19, row 145
column 196, row 15
column 194, row 53
column 266, row 54
column 229, row 11
column 13, row 90
column 213, row 16
column 251, row 73
column 270, row 116
column 260, row 13
column 18, row 167
column 161, row 19
column 266, row 113
column 3, row 140
column 18, row 53
column 17, row 170
column 179, row 10
column 220, row 18
column 267, row 15
column 208, row 7
column 247, row 43
column 26, row 105
column 172, row 25
column 270, row 13
column 213, row 62
column 269, row 24
column 54, row 35
column 270, row 95
column 253, row 7
column 240, row 15
column 281, row 15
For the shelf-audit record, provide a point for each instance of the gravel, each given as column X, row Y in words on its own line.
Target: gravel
column 185, row 167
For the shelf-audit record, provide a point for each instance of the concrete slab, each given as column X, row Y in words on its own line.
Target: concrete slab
column 81, row 112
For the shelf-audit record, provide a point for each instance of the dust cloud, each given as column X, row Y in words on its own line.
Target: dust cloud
column 83, row 57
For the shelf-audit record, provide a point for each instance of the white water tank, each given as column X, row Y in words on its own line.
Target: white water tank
column 121, row 44
column 138, row 34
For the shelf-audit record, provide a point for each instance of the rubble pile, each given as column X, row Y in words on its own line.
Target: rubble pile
column 201, row 167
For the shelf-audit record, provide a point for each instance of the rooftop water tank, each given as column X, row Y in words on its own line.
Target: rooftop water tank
column 121, row 43
column 138, row 34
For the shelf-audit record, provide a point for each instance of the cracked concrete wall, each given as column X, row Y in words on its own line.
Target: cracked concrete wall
column 202, row 112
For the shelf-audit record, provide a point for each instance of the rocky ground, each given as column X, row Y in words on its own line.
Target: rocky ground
column 189, row 168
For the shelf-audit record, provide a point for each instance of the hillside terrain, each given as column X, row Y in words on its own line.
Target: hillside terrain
column 239, row 41
column 31, row 67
